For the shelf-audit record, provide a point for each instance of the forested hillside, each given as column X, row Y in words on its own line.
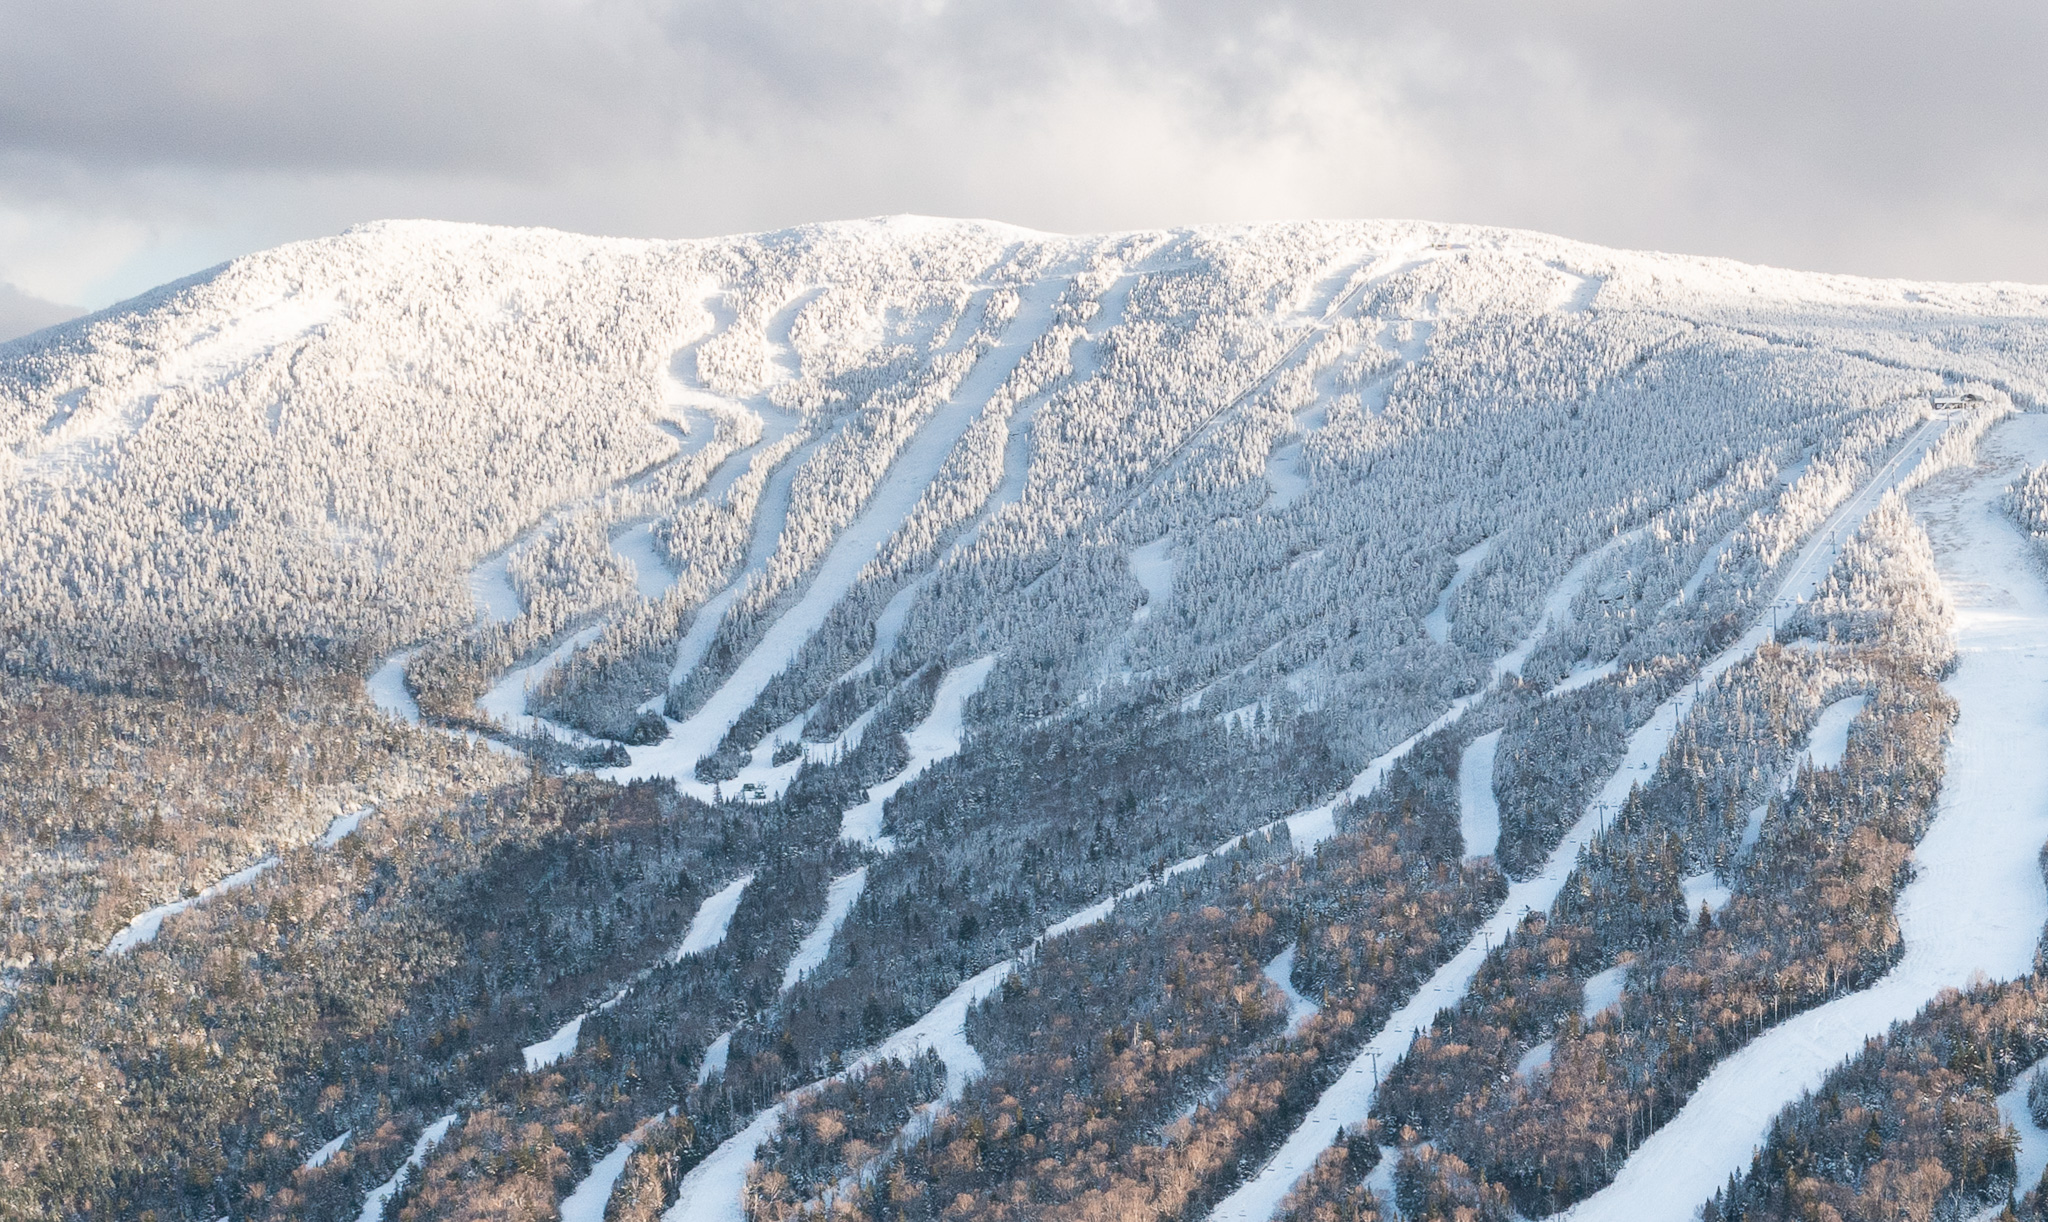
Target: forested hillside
column 914, row 719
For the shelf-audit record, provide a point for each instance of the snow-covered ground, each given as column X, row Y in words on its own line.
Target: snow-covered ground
column 2031, row 1159
column 1976, row 902
column 1478, row 808
column 386, row 687
column 1281, row 972
column 1830, row 738
column 380, row 1196
column 714, row 916
column 143, row 927
column 1603, row 991
column 319, row 1157
column 1152, row 568
column 490, row 586
column 1348, row 1101
column 1438, row 622
column 505, row 702
column 935, row 738
column 839, row 899
column 634, row 543
column 342, row 827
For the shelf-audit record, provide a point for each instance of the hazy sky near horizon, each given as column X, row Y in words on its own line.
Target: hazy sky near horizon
column 140, row 141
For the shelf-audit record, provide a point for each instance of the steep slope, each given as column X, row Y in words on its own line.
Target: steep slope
column 775, row 658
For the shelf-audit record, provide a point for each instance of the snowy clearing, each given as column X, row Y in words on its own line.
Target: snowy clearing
column 1152, row 568
column 1976, row 902
column 490, row 587
column 1478, row 808
column 320, row 1156
column 1603, row 991
column 1830, row 738
column 342, row 827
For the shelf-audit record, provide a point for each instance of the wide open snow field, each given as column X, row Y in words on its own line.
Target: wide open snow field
column 1348, row 1101
column 1976, row 904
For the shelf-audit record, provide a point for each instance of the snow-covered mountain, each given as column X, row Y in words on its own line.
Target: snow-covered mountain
column 916, row 717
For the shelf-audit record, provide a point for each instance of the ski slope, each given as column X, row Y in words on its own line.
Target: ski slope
column 1478, row 808
column 1348, row 1101
column 1976, row 903
column 886, row 509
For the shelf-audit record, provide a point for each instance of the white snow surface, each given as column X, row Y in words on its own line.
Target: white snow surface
column 144, row 926
column 1281, row 972
column 556, row 1047
column 320, row 1156
column 490, row 586
column 373, row 1205
column 2032, row 1156
column 715, row 1057
column 1349, row 1099
column 1976, row 902
column 1152, row 568
column 1438, row 622
column 1603, row 991
column 342, row 827
column 1478, row 808
column 935, row 738
column 505, row 703
column 1704, row 888
column 839, row 899
column 1830, row 738
column 714, row 917
column 1536, row 1059
column 386, row 686
column 586, row 1203
column 635, row 545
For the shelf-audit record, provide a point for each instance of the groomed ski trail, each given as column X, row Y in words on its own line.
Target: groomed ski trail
column 1976, row 903
column 1348, row 1101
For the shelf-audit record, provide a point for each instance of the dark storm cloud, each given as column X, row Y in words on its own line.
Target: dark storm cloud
column 1881, row 137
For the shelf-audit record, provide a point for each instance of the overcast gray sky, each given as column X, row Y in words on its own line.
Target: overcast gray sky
column 141, row 140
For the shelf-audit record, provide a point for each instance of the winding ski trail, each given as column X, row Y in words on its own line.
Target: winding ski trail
column 1976, row 903
column 1348, row 1100
column 890, row 504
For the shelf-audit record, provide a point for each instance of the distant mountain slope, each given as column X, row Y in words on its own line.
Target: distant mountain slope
column 21, row 314
column 1048, row 660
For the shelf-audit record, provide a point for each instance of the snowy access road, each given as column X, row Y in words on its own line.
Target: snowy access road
column 1976, row 903
column 1348, row 1101
column 890, row 505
